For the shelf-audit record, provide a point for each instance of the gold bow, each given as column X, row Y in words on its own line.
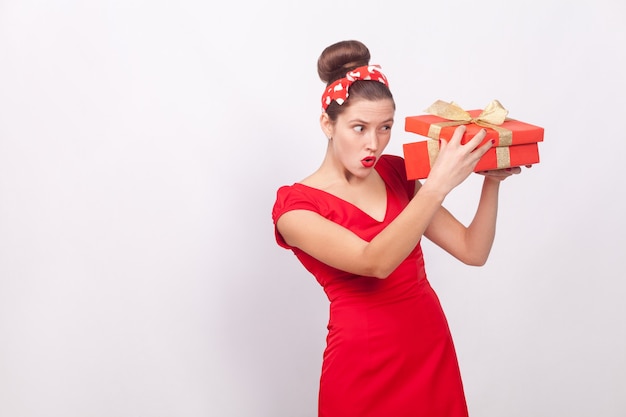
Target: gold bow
column 492, row 116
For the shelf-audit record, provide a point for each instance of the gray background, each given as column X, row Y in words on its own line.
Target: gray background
column 141, row 145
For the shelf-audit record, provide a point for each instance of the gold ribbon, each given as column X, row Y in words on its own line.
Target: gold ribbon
column 491, row 117
column 433, row 151
column 503, row 157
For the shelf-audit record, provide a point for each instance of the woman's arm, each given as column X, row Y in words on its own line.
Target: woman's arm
column 340, row 248
column 472, row 244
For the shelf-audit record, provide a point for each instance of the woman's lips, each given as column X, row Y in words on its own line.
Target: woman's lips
column 368, row 161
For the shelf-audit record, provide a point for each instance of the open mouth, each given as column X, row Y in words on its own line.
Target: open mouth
column 369, row 161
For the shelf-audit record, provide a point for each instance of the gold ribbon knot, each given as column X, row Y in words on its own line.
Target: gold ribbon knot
column 491, row 117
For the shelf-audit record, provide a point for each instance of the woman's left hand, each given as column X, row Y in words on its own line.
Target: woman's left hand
column 502, row 174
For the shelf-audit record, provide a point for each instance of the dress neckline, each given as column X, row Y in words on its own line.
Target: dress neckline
column 387, row 194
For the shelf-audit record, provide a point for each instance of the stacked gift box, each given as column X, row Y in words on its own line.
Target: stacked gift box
column 516, row 142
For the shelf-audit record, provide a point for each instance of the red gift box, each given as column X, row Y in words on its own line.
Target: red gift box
column 420, row 156
column 516, row 142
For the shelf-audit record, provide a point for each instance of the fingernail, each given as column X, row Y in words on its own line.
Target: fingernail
column 493, row 141
column 509, row 169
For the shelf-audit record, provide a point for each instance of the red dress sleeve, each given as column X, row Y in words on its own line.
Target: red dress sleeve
column 290, row 198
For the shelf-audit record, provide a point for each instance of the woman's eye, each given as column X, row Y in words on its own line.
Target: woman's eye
column 358, row 128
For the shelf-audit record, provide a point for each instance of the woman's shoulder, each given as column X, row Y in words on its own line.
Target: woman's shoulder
column 296, row 196
column 392, row 165
column 290, row 192
column 393, row 161
column 393, row 171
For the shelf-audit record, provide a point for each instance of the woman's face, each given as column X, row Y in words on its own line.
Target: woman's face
column 360, row 134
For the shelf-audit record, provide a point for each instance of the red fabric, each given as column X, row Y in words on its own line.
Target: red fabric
column 338, row 90
column 389, row 351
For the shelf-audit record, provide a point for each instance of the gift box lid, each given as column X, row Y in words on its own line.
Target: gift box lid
column 448, row 116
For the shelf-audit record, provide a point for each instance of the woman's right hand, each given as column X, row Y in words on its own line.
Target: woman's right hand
column 455, row 161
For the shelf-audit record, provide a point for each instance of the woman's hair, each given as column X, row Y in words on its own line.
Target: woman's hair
column 338, row 59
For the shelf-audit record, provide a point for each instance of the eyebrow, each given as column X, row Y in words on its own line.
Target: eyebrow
column 365, row 122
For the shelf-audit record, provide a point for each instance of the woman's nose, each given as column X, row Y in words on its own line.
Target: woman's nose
column 372, row 143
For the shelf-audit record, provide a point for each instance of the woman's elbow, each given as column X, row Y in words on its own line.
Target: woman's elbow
column 376, row 265
column 477, row 263
column 378, row 270
column 476, row 260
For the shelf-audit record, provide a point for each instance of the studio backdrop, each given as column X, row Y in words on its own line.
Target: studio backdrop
column 141, row 147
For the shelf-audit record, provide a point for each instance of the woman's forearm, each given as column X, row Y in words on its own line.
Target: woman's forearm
column 482, row 230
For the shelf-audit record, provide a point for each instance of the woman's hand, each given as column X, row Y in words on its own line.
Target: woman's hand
column 455, row 161
column 502, row 174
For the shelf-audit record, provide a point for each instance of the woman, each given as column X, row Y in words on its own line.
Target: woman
column 356, row 224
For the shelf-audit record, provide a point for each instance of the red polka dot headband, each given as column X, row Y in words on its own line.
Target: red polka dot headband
column 338, row 90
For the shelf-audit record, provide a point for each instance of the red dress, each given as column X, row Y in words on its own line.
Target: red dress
column 389, row 352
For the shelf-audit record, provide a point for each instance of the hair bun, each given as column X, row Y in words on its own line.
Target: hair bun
column 339, row 58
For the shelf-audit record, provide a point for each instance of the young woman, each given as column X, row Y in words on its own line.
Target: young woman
column 356, row 224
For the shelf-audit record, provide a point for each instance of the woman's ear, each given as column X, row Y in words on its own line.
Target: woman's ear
column 326, row 124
